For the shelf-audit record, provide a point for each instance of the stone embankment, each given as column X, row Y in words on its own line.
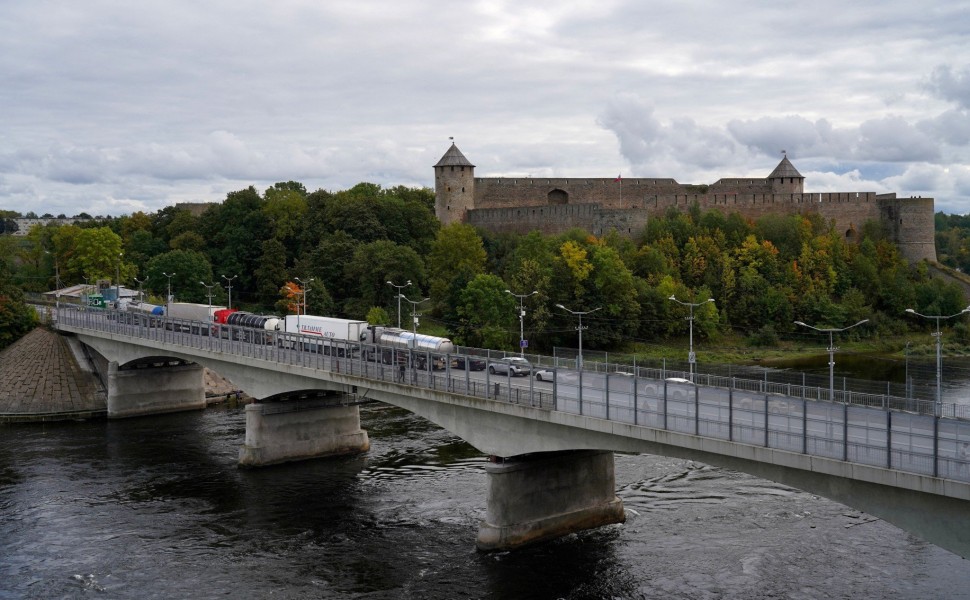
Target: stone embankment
column 42, row 379
column 45, row 376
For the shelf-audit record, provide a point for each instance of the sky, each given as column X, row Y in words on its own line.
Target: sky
column 111, row 107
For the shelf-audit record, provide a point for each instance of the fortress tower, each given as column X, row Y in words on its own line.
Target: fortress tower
column 786, row 179
column 454, row 187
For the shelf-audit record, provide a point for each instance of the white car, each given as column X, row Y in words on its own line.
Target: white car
column 512, row 365
column 545, row 375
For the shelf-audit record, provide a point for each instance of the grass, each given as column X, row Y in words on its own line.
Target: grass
column 733, row 349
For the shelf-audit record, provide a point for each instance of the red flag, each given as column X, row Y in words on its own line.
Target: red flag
column 617, row 178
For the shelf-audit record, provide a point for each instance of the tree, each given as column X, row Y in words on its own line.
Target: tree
column 16, row 317
column 189, row 268
column 271, row 272
column 97, row 254
column 456, row 254
column 372, row 266
column 486, row 312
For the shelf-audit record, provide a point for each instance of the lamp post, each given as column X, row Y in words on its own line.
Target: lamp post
column 118, row 282
column 208, row 289
column 831, row 349
column 521, row 298
column 414, row 308
column 57, row 270
column 141, row 294
column 579, row 360
column 939, row 353
column 85, row 290
column 399, row 296
column 168, row 298
column 691, row 357
column 229, row 279
column 306, row 286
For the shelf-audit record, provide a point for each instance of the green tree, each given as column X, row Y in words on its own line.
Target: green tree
column 486, row 313
column 372, row 266
column 187, row 268
column 457, row 254
column 16, row 317
column 271, row 272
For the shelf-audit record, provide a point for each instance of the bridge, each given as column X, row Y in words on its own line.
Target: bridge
column 551, row 442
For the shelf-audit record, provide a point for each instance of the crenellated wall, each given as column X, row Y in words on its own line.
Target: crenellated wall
column 553, row 205
column 598, row 205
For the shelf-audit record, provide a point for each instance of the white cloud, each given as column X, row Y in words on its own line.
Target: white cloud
column 107, row 107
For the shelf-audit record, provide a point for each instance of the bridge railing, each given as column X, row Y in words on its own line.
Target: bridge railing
column 863, row 428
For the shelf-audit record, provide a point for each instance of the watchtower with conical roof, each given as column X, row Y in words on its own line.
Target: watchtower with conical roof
column 786, row 179
column 454, row 186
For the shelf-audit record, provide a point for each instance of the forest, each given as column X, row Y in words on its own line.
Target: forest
column 345, row 249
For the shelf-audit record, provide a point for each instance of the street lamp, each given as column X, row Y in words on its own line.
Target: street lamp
column 118, row 283
column 306, row 288
column 168, row 299
column 939, row 353
column 414, row 314
column 57, row 270
column 141, row 294
column 579, row 360
column 831, row 349
column 521, row 298
column 399, row 296
column 691, row 357
column 208, row 289
column 229, row 279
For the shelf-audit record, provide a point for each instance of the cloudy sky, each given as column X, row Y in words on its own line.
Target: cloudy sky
column 110, row 107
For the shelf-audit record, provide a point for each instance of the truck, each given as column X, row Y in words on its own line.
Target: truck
column 187, row 311
column 323, row 334
column 388, row 338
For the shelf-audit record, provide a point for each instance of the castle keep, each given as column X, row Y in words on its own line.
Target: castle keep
column 521, row 205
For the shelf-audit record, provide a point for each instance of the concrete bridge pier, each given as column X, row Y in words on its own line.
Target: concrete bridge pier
column 301, row 429
column 538, row 497
column 149, row 388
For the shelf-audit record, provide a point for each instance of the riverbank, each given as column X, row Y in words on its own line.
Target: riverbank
column 734, row 349
column 45, row 377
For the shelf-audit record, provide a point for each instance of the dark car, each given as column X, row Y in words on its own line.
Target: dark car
column 474, row 363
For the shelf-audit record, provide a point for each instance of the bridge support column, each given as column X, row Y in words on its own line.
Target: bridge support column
column 153, row 389
column 544, row 496
column 298, row 430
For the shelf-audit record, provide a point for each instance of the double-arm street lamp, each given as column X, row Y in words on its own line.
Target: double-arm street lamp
column 168, row 298
column 306, row 288
column 414, row 308
column 832, row 349
column 691, row 357
column 399, row 296
column 579, row 360
column 521, row 298
column 229, row 279
column 939, row 352
column 208, row 289
column 118, row 283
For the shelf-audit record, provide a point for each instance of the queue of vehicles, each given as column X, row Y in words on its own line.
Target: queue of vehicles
column 312, row 333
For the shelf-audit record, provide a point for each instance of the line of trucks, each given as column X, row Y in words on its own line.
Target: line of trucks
column 326, row 335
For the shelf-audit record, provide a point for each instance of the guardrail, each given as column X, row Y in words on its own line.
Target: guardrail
column 868, row 429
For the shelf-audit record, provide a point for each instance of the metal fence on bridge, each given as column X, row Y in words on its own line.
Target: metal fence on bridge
column 872, row 429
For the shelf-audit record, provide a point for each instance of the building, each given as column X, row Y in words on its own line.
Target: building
column 554, row 205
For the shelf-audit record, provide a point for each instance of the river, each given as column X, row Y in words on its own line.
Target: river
column 156, row 507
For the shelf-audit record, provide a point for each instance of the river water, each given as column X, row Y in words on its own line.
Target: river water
column 156, row 507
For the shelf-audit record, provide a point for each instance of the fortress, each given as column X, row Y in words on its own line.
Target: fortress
column 521, row 205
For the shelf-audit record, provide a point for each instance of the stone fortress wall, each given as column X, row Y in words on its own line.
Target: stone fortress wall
column 553, row 205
